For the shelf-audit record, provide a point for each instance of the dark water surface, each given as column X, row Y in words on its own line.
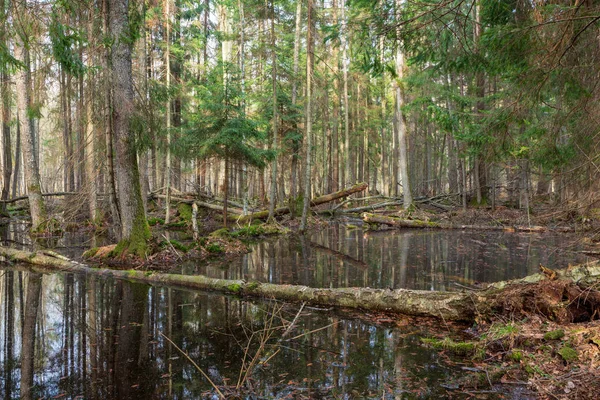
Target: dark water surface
column 409, row 259
column 84, row 337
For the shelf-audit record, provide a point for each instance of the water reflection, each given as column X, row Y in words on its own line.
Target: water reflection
column 70, row 336
column 425, row 260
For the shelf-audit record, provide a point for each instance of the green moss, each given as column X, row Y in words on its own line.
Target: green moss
column 460, row 348
column 185, row 212
column 554, row 335
column 351, row 226
column 568, row 354
column 215, row 248
column 90, row 253
column 234, row 287
column 179, row 246
column 516, row 355
column 220, row 233
column 152, row 221
column 530, row 370
column 137, row 242
column 253, row 285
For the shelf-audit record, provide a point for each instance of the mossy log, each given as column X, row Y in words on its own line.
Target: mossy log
column 457, row 306
column 418, row 224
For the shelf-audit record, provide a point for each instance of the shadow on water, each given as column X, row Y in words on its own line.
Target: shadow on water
column 410, row 259
column 86, row 337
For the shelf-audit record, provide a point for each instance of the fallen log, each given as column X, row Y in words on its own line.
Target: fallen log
column 419, row 224
column 200, row 203
column 239, row 218
column 14, row 200
column 447, row 305
column 460, row 306
column 359, row 187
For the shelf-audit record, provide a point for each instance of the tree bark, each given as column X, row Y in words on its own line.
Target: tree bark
column 295, row 142
column 90, row 137
column 308, row 139
column 5, row 94
column 400, row 124
column 23, row 88
column 273, row 191
column 134, row 227
column 168, row 109
column 6, row 145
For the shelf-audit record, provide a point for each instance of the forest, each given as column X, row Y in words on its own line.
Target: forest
column 142, row 140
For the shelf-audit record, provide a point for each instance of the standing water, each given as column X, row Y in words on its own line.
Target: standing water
column 75, row 336
column 408, row 259
column 91, row 338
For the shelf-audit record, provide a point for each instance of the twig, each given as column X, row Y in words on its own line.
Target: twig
column 173, row 248
column 314, row 330
column 193, row 363
column 289, row 328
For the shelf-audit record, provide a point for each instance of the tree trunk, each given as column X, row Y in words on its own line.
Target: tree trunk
column 5, row 94
column 6, row 145
column 34, row 288
column 90, row 137
column 134, row 227
column 168, row 109
column 273, row 191
column 295, row 142
column 400, row 124
column 308, row 139
column 349, row 172
column 23, row 88
column 111, row 184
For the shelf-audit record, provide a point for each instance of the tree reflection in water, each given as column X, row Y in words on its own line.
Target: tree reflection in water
column 409, row 259
column 99, row 339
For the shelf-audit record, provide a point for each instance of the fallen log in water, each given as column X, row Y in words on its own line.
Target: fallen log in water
column 447, row 305
column 462, row 306
column 419, row 224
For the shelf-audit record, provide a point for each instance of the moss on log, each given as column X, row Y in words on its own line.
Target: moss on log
column 457, row 306
column 415, row 223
